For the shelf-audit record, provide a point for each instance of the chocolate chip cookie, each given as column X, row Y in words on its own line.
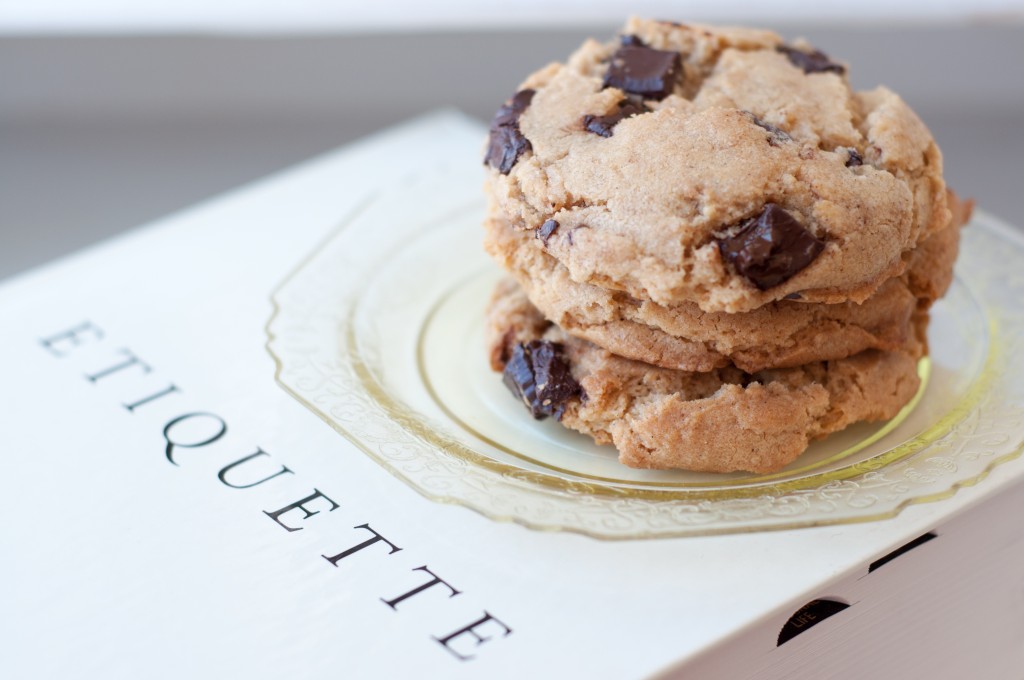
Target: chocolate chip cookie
column 723, row 420
column 718, row 167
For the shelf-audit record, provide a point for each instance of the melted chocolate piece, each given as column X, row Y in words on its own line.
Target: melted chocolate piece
column 538, row 374
column 507, row 143
column 602, row 125
column 546, row 230
column 642, row 70
column 814, row 61
column 770, row 248
column 777, row 135
column 854, row 158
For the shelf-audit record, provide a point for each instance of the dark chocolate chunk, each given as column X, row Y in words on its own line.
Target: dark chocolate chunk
column 793, row 296
column 546, row 230
column 638, row 69
column 854, row 158
column 770, row 248
column 814, row 61
column 539, row 375
column 777, row 135
column 506, row 142
column 631, row 40
column 602, row 125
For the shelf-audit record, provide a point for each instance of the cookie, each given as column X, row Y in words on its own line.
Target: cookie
column 719, row 167
column 722, row 420
column 780, row 334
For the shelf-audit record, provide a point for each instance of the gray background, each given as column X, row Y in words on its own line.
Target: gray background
column 99, row 134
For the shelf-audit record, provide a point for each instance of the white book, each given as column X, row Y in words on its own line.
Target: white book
column 172, row 511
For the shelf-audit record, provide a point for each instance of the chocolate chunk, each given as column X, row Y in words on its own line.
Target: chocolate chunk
column 854, row 158
column 631, row 40
column 546, row 230
column 602, row 125
column 506, row 142
column 770, row 248
column 777, row 135
column 793, row 296
column 811, row 62
column 638, row 69
column 538, row 373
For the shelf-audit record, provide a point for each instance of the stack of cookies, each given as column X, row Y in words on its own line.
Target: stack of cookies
column 718, row 251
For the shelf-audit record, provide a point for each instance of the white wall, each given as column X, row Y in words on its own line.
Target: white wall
column 286, row 16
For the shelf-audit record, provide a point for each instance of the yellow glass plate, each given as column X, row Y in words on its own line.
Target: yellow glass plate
column 380, row 332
